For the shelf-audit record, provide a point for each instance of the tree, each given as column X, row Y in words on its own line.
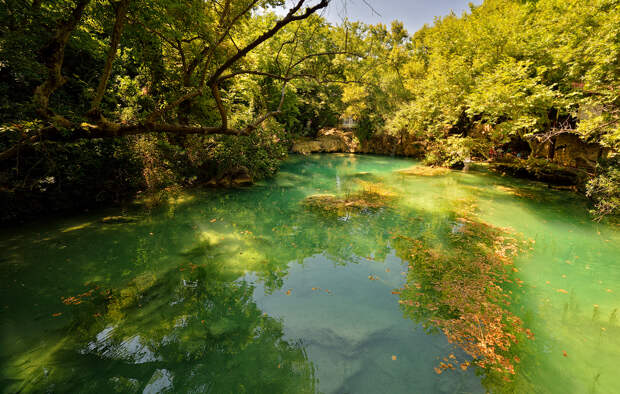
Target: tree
column 203, row 54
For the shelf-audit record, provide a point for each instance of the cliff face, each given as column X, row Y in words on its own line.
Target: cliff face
column 336, row 140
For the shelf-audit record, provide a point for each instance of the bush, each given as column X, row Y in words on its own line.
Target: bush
column 604, row 190
column 451, row 152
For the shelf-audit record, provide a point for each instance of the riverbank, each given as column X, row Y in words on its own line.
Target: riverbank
column 552, row 173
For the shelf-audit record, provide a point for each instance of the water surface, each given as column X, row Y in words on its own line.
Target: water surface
column 249, row 291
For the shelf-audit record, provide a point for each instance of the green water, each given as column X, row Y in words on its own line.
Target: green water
column 248, row 291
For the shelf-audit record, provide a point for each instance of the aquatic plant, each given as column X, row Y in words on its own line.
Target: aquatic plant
column 424, row 171
column 369, row 196
column 456, row 284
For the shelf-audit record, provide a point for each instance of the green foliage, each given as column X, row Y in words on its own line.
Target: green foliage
column 604, row 190
column 452, row 152
column 520, row 68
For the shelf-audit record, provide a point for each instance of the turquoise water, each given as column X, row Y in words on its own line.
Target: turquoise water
column 233, row 291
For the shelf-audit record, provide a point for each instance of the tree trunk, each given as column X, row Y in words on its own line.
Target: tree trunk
column 53, row 55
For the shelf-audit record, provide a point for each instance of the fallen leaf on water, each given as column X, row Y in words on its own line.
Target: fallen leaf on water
column 387, row 270
column 563, row 276
column 564, row 353
column 438, row 370
column 314, row 289
column 288, row 292
column 396, row 292
column 393, row 358
column 452, row 356
column 202, row 321
column 562, row 291
column 213, row 220
column 547, row 282
column 464, row 367
column 56, row 314
column 609, row 290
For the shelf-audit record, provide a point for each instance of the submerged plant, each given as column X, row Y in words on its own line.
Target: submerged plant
column 457, row 284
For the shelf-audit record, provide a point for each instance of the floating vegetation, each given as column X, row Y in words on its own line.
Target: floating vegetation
column 119, row 219
column 424, row 171
column 456, row 284
column 369, row 196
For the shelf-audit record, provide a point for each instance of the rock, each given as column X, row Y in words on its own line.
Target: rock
column 241, row 181
column 234, row 177
column 571, row 151
column 336, row 140
column 306, row 147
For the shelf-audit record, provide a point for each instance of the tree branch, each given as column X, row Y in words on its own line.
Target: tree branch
column 117, row 32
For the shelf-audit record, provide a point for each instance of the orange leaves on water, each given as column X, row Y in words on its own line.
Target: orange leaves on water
column 529, row 334
column 213, row 220
column 315, row 288
column 396, row 292
column 564, row 353
column 56, row 314
column 464, row 296
column 78, row 299
column 438, row 370
column 373, row 277
column 288, row 292
column 387, row 270
column 562, row 291
column 393, row 358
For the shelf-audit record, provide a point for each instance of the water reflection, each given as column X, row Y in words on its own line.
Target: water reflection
column 233, row 291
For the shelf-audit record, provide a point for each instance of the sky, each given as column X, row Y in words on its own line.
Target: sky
column 413, row 13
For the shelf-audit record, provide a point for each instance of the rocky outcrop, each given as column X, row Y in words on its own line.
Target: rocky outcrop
column 568, row 150
column 328, row 140
column 337, row 140
column 550, row 174
column 235, row 177
column 571, row 151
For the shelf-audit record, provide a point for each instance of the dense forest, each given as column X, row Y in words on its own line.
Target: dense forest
column 101, row 99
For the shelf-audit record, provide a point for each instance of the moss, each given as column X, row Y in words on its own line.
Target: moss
column 424, row 171
column 369, row 196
